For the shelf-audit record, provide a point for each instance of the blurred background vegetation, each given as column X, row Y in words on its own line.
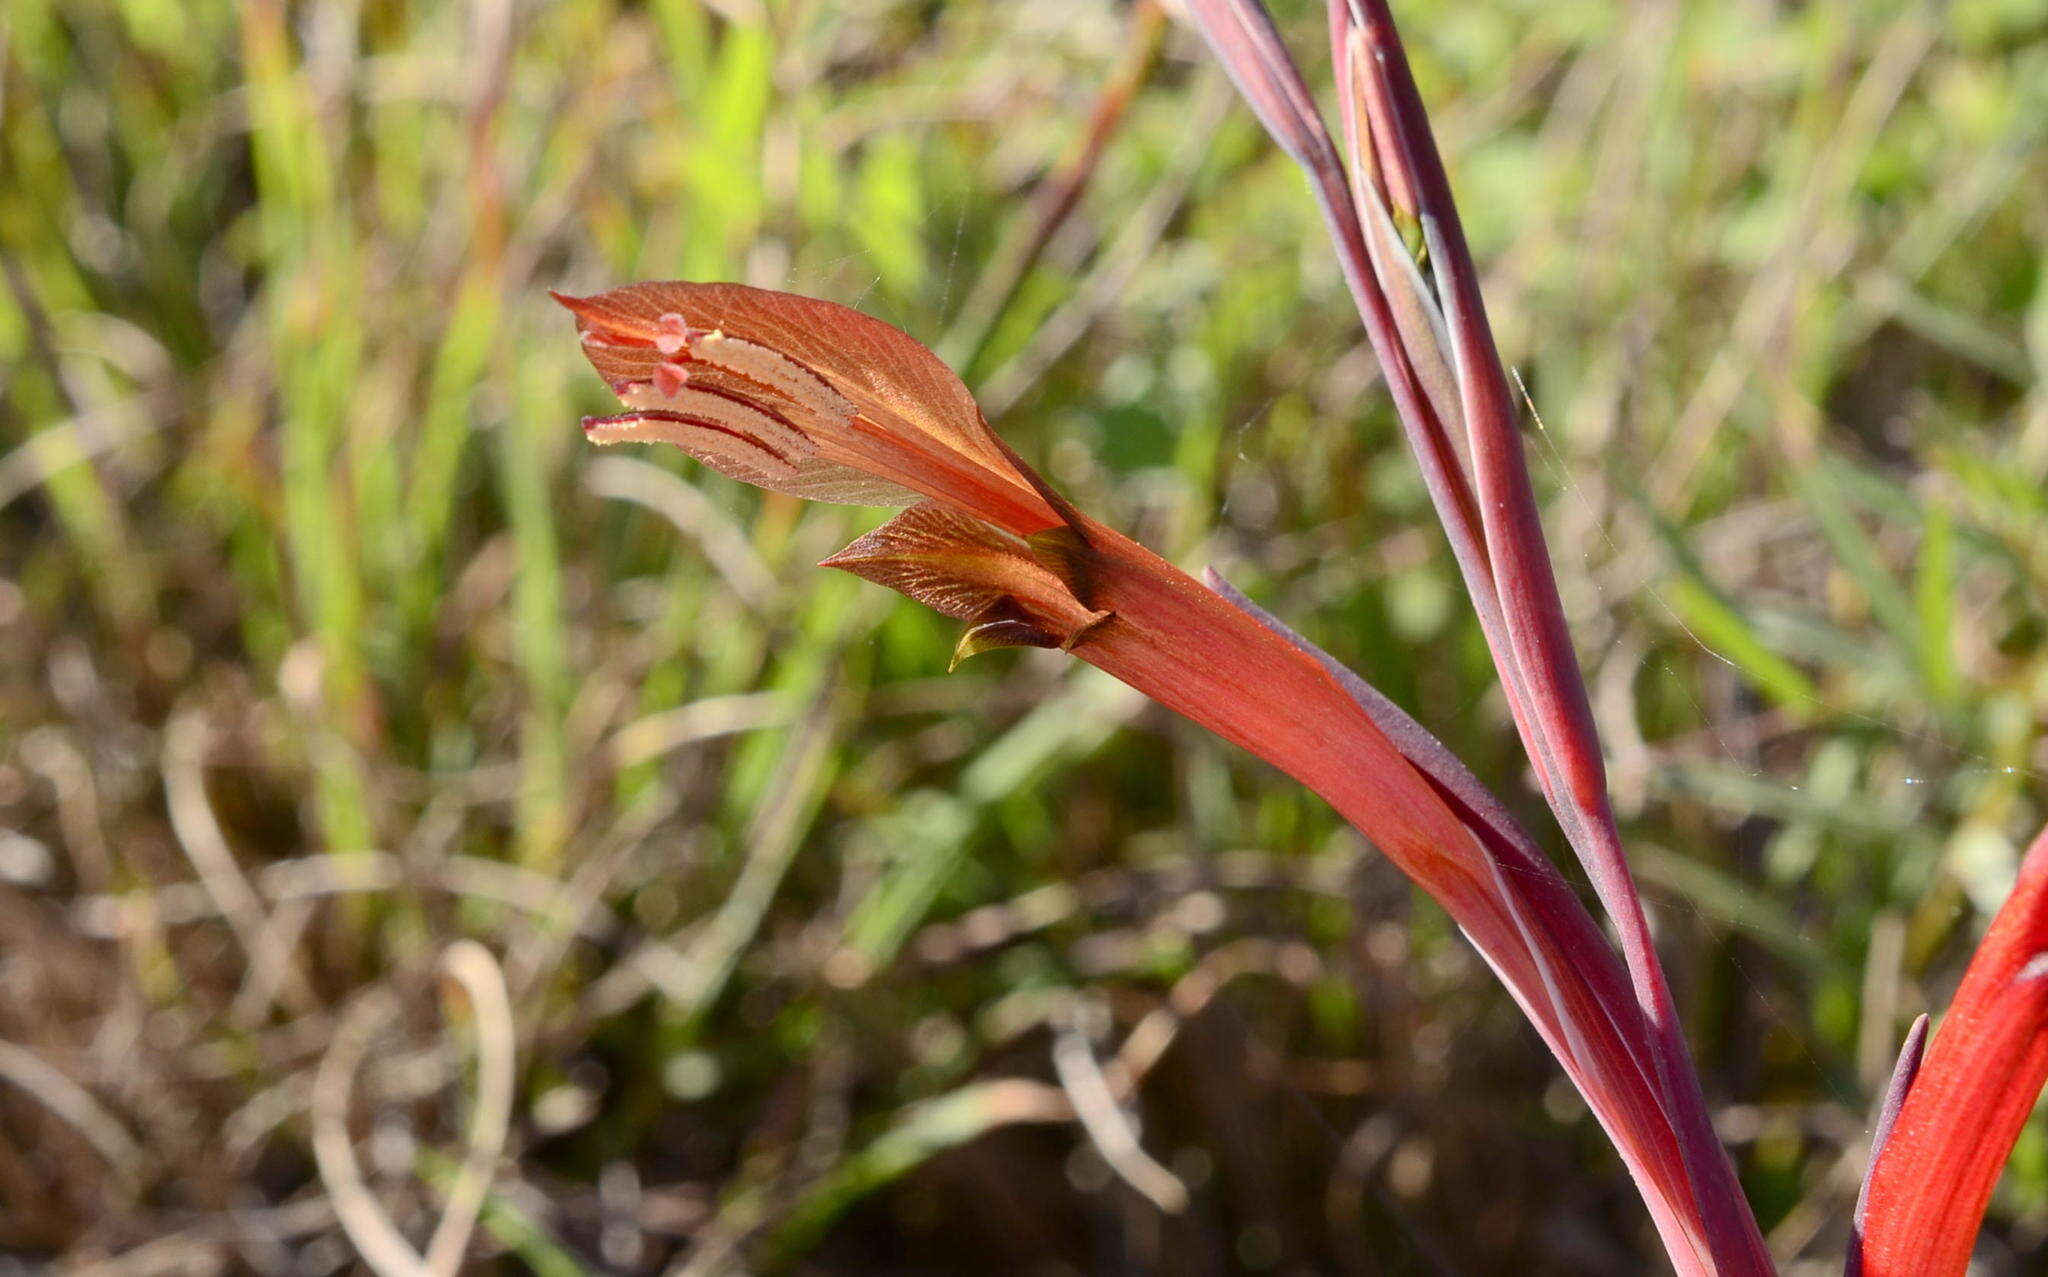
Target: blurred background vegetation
column 326, row 646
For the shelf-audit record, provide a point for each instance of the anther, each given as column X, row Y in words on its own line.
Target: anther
column 744, row 456
column 743, row 418
column 672, row 333
column 670, row 378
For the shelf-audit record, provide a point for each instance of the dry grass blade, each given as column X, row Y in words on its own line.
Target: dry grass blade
column 368, row 1225
column 270, row 949
column 723, row 545
column 1108, row 1125
column 472, row 966
column 54, row 1090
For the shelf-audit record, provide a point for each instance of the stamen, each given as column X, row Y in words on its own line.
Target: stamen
column 742, row 417
column 770, row 368
column 669, row 378
column 707, row 440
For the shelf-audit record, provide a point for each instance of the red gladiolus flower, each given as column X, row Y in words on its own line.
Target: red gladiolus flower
column 806, row 397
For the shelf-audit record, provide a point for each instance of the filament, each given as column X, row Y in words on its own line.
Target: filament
column 725, row 411
column 706, row 439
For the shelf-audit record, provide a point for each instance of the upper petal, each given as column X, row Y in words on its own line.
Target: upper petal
column 881, row 416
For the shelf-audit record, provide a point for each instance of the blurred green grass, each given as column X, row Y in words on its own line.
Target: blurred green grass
column 324, row 642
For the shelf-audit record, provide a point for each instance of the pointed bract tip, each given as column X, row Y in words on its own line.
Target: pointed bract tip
column 1094, row 622
column 991, row 635
column 846, row 558
column 603, row 324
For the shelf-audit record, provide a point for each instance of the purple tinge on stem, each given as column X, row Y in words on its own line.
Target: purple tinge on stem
column 1565, row 742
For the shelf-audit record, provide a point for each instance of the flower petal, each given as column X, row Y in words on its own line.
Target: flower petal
column 878, row 418
column 1969, row 1099
column 967, row 569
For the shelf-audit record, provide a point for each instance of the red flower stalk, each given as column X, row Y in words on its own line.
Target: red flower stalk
column 809, row 397
column 1931, row 1179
